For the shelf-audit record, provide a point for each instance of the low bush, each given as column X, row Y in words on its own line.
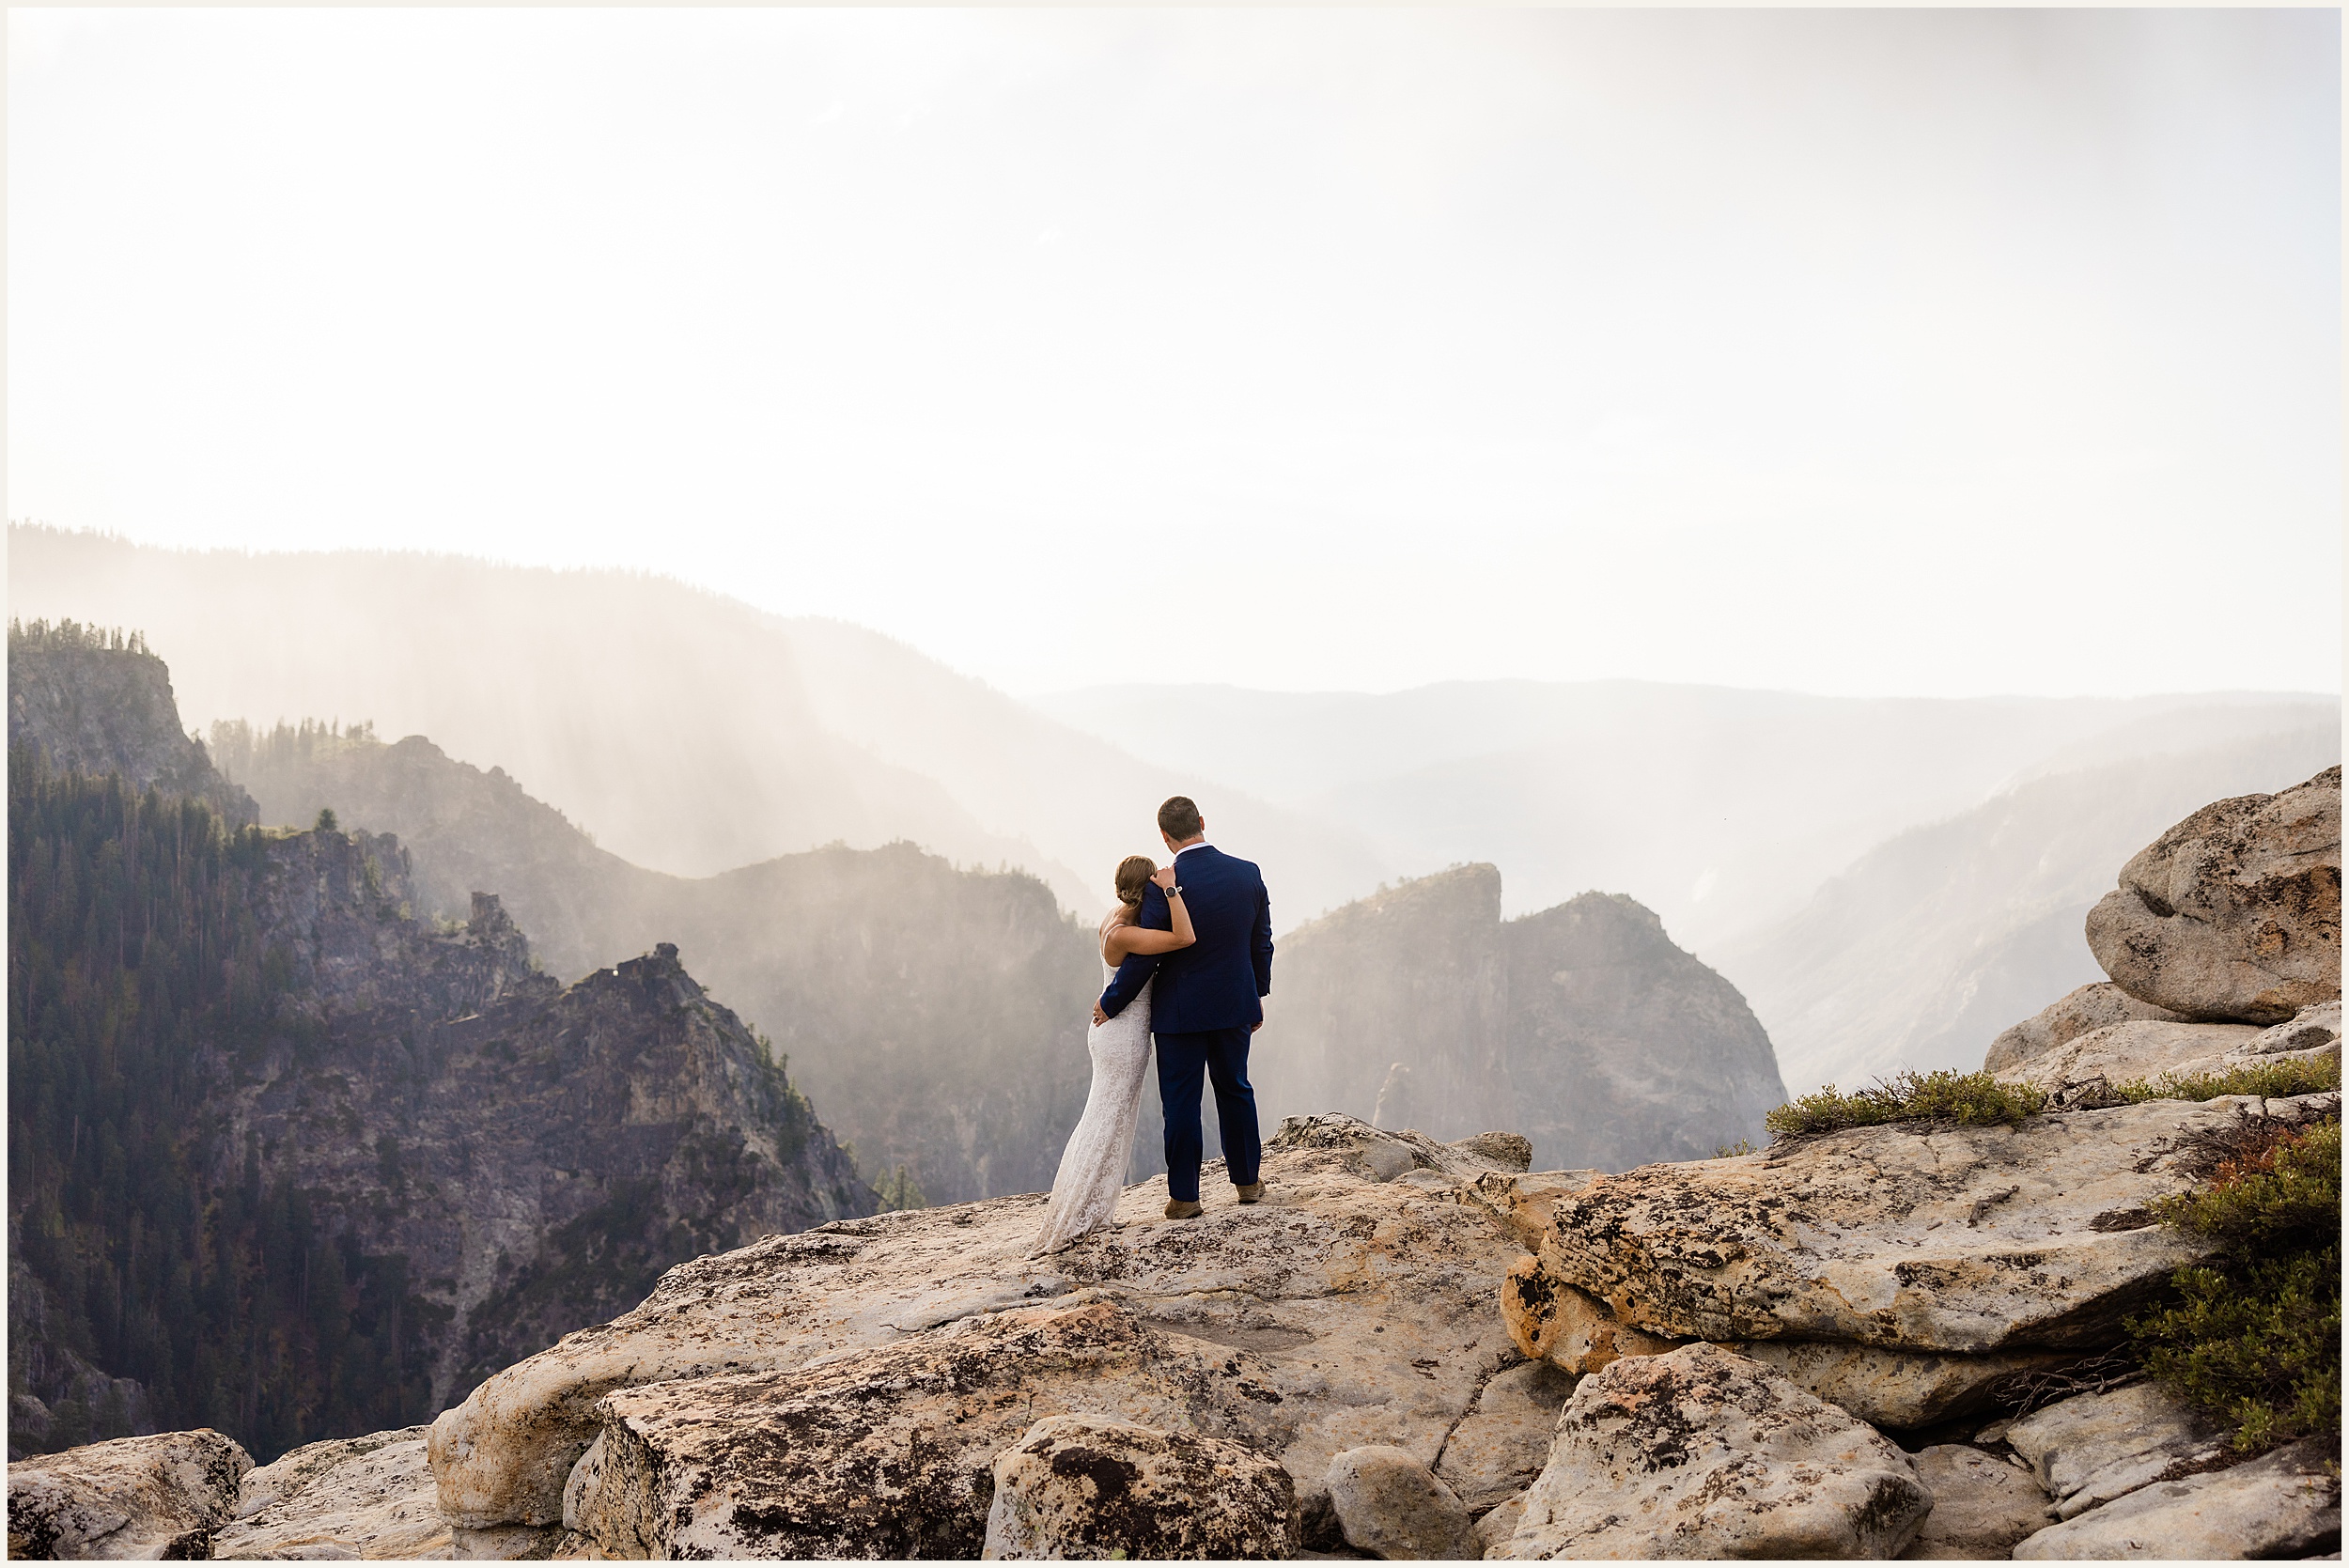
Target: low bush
column 2254, row 1337
column 2272, row 1079
column 1969, row 1099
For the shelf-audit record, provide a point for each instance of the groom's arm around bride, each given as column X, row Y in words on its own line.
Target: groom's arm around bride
column 1207, row 1002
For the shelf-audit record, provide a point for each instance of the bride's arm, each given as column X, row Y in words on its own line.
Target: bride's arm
column 1128, row 939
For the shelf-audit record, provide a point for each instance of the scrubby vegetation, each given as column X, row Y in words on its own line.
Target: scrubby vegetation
column 2271, row 1079
column 2254, row 1337
column 1969, row 1099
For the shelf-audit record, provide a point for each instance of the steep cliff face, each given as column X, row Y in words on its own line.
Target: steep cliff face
column 295, row 1162
column 463, row 829
column 537, row 1153
column 1584, row 1025
column 935, row 1014
column 97, row 703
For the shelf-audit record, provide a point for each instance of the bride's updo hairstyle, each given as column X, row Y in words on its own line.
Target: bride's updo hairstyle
column 1133, row 874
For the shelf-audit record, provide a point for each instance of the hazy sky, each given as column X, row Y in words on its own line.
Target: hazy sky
column 1920, row 353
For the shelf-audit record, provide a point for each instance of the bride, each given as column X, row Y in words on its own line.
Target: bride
column 1093, row 1167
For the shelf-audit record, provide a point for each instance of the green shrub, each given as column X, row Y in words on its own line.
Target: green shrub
column 1969, row 1100
column 2255, row 1335
column 2276, row 1080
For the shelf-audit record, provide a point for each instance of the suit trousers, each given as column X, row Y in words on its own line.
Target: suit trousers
column 1220, row 1055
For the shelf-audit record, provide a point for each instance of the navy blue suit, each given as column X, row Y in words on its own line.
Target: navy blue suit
column 1209, row 997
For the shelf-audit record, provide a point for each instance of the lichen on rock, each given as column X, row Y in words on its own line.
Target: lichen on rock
column 1700, row 1453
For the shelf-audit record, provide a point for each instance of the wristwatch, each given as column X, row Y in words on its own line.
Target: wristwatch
column 1174, row 891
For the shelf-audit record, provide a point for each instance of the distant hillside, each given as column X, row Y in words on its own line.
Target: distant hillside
column 1583, row 1026
column 690, row 732
column 935, row 1016
column 1923, row 951
column 290, row 1161
column 1721, row 810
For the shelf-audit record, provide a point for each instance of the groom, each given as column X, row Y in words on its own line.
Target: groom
column 1206, row 1004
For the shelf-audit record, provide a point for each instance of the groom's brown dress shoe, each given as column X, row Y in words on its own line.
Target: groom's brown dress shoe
column 1181, row 1208
column 1249, row 1192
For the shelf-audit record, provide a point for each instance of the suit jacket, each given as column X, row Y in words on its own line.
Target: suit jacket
column 1219, row 981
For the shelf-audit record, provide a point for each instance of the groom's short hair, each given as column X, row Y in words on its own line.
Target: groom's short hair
column 1178, row 819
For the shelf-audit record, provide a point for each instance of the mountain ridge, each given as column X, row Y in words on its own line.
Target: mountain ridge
column 286, row 1157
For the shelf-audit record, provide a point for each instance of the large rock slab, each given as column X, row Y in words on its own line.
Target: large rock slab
column 365, row 1498
column 1550, row 1320
column 159, row 1497
column 2091, row 1007
column 1502, row 1444
column 2093, row 1448
column 2283, row 1506
column 2234, row 913
column 888, row 1451
column 2309, row 1030
column 1898, row 1388
column 1365, row 1296
column 1522, row 1204
column 1982, row 1505
column 2142, row 1048
column 1701, row 1453
column 1389, row 1505
column 1921, row 1235
column 1081, row 1486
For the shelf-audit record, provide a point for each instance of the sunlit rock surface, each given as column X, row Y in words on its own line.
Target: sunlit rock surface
column 1701, row 1453
column 2285, row 1505
column 159, row 1497
column 369, row 1498
column 2090, row 1007
column 1084, row 1486
column 1359, row 1303
column 2234, row 913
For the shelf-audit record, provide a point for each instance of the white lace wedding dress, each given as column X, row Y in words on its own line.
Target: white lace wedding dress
column 1093, row 1167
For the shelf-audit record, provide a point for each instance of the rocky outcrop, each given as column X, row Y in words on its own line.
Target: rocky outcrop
column 2140, row 1050
column 888, row 1451
column 159, row 1497
column 2312, row 1029
column 346, row 1497
column 537, row 1153
column 1553, row 1321
column 1701, row 1453
column 1389, row 1505
column 1498, row 1448
column 90, row 702
column 1907, row 1390
column 1917, row 1235
column 968, row 1068
column 1982, row 1505
column 1582, row 1026
column 2094, row 1448
column 382, row 1155
column 1086, row 1486
column 2093, row 1068
column 2234, row 913
column 2285, row 1505
column 2091, row 1007
column 1354, row 1307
